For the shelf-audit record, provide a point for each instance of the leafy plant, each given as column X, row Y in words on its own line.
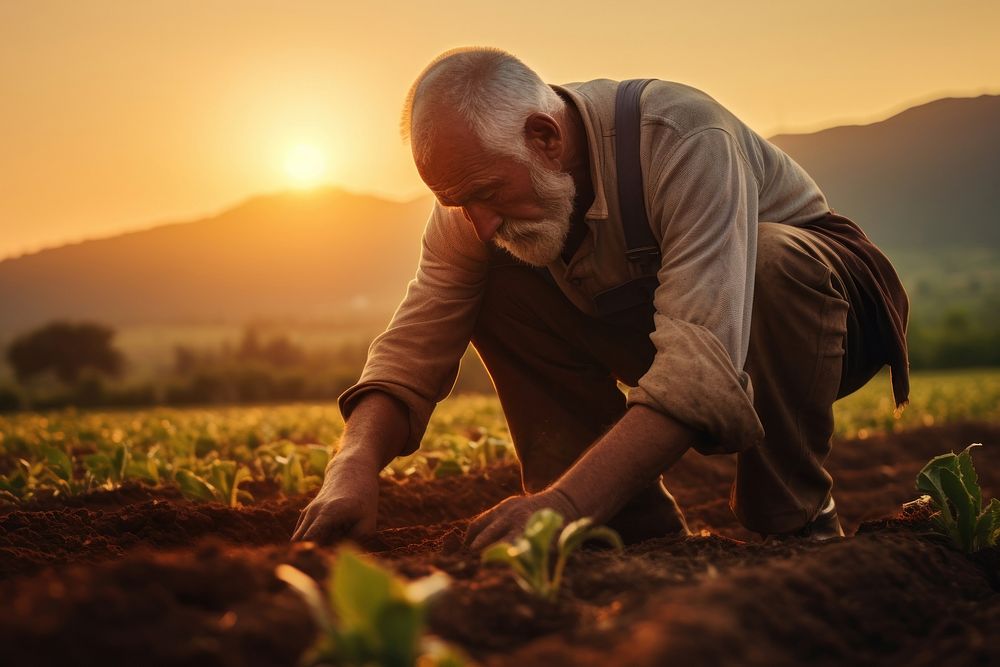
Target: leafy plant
column 298, row 468
column 530, row 554
column 57, row 473
column 226, row 477
column 21, row 483
column 222, row 483
column 120, row 464
column 951, row 482
column 368, row 617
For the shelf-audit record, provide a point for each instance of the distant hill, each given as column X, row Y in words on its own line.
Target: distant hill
column 925, row 177
column 326, row 254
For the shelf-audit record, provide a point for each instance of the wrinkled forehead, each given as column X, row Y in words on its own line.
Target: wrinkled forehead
column 437, row 130
column 456, row 175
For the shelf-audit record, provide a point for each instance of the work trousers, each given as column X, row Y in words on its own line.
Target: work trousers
column 556, row 371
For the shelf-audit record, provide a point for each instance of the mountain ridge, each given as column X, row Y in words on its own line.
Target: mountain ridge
column 224, row 210
column 908, row 178
column 331, row 251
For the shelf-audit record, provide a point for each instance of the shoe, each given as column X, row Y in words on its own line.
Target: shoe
column 825, row 526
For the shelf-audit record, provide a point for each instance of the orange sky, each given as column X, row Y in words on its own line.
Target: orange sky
column 121, row 114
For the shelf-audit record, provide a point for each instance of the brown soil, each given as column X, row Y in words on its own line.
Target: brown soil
column 140, row 576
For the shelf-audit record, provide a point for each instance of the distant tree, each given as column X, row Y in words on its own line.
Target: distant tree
column 250, row 345
column 282, row 352
column 188, row 359
column 279, row 351
column 66, row 349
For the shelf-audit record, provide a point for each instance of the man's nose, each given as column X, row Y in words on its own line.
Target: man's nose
column 485, row 220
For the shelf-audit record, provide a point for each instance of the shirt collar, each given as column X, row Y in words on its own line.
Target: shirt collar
column 599, row 209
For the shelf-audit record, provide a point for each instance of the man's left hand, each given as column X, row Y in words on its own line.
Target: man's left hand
column 506, row 520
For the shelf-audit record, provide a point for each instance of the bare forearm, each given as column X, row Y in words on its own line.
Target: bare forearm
column 642, row 445
column 376, row 431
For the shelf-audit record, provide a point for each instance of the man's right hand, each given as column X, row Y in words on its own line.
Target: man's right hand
column 347, row 503
column 345, row 507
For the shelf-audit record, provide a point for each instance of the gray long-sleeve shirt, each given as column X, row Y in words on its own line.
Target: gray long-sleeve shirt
column 709, row 180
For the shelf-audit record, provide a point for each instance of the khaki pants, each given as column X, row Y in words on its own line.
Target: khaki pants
column 556, row 371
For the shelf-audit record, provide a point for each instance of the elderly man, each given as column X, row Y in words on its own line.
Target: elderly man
column 600, row 233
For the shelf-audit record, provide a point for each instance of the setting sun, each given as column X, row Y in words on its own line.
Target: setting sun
column 305, row 165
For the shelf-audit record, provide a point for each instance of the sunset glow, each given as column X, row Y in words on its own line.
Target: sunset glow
column 305, row 166
column 168, row 124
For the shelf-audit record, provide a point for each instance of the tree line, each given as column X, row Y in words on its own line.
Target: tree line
column 66, row 364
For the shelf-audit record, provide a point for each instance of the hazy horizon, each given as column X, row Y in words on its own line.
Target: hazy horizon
column 129, row 116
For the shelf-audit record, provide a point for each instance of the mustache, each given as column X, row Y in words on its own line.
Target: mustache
column 516, row 229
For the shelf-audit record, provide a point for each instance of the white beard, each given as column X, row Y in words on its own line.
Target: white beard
column 539, row 242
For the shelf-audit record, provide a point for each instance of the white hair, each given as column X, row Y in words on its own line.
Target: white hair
column 491, row 90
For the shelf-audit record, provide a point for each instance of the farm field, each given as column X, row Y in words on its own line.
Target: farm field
column 152, row 537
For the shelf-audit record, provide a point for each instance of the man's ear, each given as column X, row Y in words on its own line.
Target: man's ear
column 543, row 134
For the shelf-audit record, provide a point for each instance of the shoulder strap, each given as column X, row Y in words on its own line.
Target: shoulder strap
column 641, row 246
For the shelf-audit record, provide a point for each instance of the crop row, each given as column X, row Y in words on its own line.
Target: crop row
column 211, row 454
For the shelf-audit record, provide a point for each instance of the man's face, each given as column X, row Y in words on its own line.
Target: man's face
column 539, row 242
column 523, row 208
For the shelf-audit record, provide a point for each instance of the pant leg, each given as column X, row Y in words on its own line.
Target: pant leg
column 555, row 370
column 801, row 317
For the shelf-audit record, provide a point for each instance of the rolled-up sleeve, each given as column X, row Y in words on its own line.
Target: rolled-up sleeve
column 416, row 359
column 704, row 200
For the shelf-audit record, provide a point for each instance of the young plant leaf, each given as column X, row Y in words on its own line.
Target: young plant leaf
column 194, row 487
column 426, row 589
column 540, row 532
column 120, row 460
column 929, row 481
column 967, row 473
column 518, row 558
column 369, row 617
column 986, row 526
column 359, row 589
column 99, row 466
column 530, row 553
column 448, row 468
column 310, row 593
column 965, row 512
column 58, row 462
column 400, row 624
column 953, row 486
column 317, row 457
column 575, row 535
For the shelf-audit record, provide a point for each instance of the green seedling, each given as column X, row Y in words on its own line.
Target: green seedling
column 111, row 469
column 530, row 554
column 290, row 473
column 226, row 477
column 21, row 483
column 297, row 468
column 444, row 464
column 487, row 451
column 57, row 473
column 220, row 483
column 316, row 458
column 194, row 487
column 368, row 617
column 951, row 482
